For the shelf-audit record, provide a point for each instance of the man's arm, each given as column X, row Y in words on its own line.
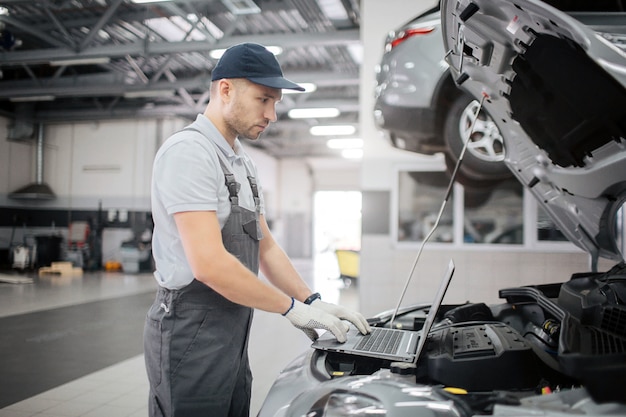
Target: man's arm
column 277, row 267
column 212, row 264
column 279, row 270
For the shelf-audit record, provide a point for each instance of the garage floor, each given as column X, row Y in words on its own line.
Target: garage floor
column 72, row 346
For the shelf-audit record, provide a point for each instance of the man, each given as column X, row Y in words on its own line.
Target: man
column 210, row 238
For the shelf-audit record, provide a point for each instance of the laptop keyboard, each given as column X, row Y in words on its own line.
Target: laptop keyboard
column 380, row 341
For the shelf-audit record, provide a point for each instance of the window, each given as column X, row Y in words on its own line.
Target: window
column 420, row 194
column 505, row 216
column 476, row 217
column 494, row 215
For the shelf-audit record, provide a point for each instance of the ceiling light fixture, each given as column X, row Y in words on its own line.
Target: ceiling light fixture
column 314, row 113
column 216, row 53
column 148, row 93
column 80, row 61
column 345, row 143
column 276, row 50
column 32, row 98
column 332, row 130
column 308, row 88
column 352, row 153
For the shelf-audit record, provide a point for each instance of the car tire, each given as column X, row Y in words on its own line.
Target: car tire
column 484, row 158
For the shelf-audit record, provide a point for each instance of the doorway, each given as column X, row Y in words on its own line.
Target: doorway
column 336, row 232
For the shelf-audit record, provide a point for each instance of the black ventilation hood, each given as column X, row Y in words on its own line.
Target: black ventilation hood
column 34, row 191
column 37, row 190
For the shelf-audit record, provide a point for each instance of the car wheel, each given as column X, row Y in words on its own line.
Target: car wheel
column 484, row 157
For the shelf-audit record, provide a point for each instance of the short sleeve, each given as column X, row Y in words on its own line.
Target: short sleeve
column 186, row 177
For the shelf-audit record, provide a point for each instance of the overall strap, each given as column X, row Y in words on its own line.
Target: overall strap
column 255, row 191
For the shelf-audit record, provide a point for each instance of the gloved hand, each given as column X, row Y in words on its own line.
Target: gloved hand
column 344, row 313
column 307, row 319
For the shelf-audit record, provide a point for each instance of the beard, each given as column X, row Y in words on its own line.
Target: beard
column 241, row 127
column 249, row 133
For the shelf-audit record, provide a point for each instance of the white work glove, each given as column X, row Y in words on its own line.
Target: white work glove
column 344, row 313
column 307, row 319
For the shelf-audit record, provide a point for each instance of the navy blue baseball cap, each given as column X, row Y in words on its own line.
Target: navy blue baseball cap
column 255, row 63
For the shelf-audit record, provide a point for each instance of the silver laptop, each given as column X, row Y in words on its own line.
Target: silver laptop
column 385, row 343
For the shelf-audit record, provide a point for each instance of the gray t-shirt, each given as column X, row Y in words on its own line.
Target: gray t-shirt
column 187, row 176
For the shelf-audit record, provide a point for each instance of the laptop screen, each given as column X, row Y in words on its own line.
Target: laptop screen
column 432, row 313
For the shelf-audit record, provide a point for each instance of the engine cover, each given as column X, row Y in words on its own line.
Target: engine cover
column 479, row 357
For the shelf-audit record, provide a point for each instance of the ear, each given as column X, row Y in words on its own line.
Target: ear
column 225, row 89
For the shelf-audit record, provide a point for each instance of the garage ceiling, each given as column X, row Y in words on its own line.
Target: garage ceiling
column 76, row 60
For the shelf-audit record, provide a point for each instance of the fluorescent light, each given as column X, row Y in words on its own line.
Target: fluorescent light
column 217, row 53
column 276, row 50
column 313, row 113
column 332, row 130
column 32, row 98
column 80, row 61
column 103, row 34
column 352, row 153
column 352, row 143
column 308, row 88
column 148, row 93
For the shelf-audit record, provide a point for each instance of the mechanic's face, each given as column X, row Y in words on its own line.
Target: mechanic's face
column 251, row 109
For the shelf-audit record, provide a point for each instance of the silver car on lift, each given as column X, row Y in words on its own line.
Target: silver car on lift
column 556, row 90
column 420, row 108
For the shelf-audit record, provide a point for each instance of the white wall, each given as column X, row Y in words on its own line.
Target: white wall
column 86, row 163
column 105, row 161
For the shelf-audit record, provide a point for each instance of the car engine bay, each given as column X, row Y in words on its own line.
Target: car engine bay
column 543, row 339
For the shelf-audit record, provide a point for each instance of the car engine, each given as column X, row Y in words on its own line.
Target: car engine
column 542, row 339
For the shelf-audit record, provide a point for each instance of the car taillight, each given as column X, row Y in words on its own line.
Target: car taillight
column 406, row 34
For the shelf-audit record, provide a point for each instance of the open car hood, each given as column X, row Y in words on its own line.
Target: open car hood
column 557, row 91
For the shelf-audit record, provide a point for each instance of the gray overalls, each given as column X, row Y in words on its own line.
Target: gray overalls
column 196, row 341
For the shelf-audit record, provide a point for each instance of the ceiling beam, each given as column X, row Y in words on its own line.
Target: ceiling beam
column 93, row 31
column 38, row 56
column 41, row 35
column 111, row 85
column 55, row 114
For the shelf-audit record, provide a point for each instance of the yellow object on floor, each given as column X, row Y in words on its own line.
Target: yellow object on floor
column 113, row 266
column 348, row 262
column 60, row 268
